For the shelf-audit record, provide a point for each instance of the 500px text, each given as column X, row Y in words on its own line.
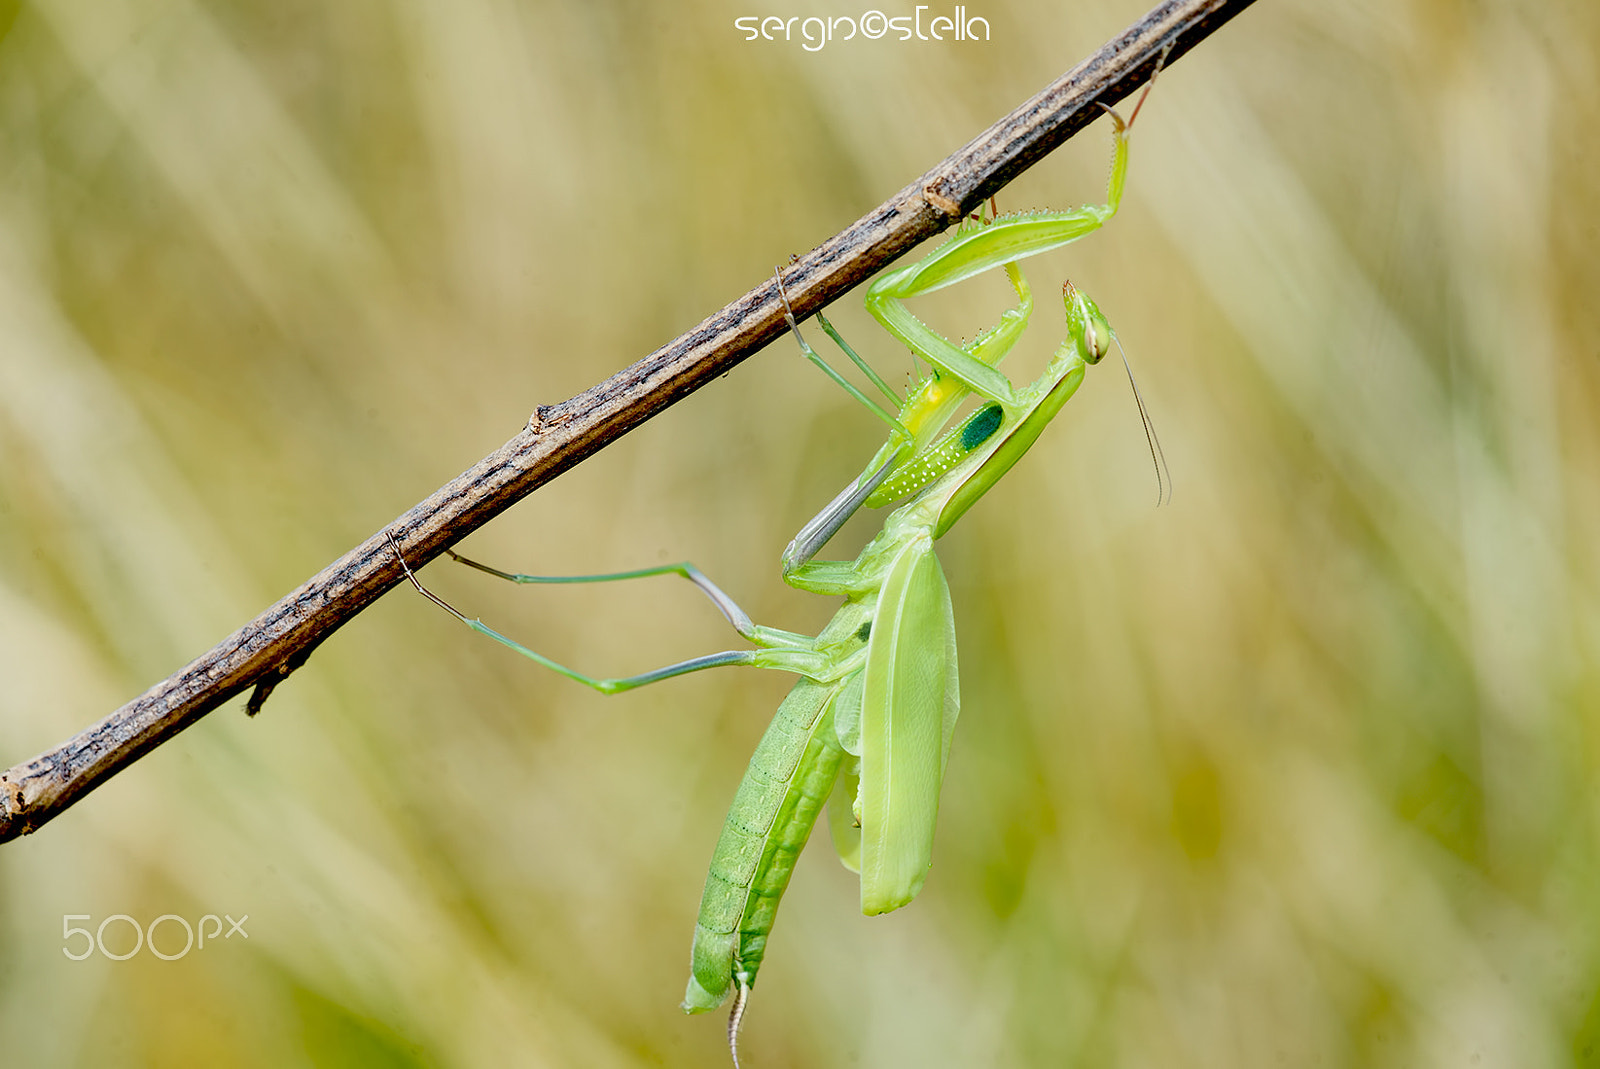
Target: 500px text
column 145, row 938
column 816, row 31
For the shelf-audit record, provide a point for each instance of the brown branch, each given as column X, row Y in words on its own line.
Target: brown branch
column 263, row 652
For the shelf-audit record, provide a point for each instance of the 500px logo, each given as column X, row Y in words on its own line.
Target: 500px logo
column 146, row 937
column 816, row 31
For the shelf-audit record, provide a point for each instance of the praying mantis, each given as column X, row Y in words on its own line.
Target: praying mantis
column 866, row 728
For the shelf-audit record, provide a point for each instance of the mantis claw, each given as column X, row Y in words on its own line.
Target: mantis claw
column 1124, row 127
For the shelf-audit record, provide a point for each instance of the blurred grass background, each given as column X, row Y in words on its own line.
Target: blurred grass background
column 1297, row 771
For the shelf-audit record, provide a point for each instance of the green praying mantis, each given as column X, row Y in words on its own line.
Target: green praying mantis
column 866, row 728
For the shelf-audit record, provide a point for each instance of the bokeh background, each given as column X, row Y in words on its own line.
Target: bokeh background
column 1297, row 770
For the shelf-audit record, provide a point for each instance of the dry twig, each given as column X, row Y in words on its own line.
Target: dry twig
column 267, row 649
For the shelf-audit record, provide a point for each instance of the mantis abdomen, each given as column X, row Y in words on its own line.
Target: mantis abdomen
column 790, row 776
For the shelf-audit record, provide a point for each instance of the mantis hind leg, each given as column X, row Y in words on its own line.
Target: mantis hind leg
column 727, row 606
column 778, row 649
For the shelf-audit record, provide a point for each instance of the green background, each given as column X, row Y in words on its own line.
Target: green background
column 1296, row 771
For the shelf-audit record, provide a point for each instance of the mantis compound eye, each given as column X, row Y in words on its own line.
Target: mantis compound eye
column 1087, row 324
column 1096, row 336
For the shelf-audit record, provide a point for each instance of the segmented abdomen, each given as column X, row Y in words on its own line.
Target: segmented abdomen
column 789, row 778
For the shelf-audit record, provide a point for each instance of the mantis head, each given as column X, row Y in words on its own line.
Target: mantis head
column 1086, row 327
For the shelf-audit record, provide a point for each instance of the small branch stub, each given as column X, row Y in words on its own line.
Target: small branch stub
column 942, row 204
